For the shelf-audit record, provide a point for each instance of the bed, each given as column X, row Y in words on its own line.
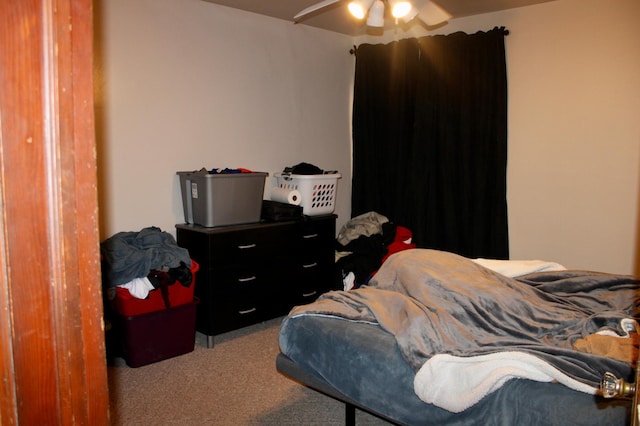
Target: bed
column 436, row 338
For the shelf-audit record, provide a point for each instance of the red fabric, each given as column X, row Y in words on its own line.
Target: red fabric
column 397, row 246
column 402, row 234
column 126, row 304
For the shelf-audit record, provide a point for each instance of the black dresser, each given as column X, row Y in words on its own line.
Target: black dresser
column 255, row 272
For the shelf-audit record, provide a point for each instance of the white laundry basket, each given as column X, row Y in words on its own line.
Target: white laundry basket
column 317, row 192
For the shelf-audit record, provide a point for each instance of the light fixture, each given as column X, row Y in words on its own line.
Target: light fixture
column 375, row 10
column 376, row 15
column 359, row 8
column 409, row 16
column 427, row 11
column 399, row 8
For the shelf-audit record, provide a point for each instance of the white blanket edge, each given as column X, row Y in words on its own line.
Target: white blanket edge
column 517, row 268
column 457, row 383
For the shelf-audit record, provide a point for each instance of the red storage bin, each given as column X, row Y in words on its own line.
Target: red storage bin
column 125, row 304
column 159, row 335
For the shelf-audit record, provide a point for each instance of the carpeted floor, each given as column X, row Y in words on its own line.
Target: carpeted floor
column 234, row 383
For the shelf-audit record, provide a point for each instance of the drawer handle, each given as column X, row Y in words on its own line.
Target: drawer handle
column 313, row 293
column 248, row 311
column 246, row 246
column 309, row 236
column 310, row 265
column 247, row 279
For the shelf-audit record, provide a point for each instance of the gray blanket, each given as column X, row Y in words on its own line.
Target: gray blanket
column 436, row 303
column 130, row 255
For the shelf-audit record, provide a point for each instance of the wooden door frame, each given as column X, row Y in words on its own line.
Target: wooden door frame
column 52, row 354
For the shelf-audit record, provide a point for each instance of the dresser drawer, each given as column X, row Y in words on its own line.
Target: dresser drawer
column 229, row 299
column 251, row 273
column 240, row 244
column 237, row 298
column 247, row 247
column 316, row 236
column 314, row 260
column 315, row 277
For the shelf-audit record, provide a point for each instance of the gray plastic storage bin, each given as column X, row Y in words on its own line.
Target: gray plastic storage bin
column 221, row 199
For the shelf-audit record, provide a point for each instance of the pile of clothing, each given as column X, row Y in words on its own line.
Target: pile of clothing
column 363, row 244
column 306, row 169
column 143, row 261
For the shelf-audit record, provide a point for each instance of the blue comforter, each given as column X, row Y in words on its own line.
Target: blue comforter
column 438, row 304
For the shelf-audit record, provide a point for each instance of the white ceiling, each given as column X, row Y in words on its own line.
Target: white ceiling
column 337, row 18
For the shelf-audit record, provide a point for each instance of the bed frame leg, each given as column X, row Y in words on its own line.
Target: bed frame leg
column 350, row 414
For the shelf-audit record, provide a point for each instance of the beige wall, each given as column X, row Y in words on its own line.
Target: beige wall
column 185, row 84
column 574, row 129
column 189, row 84
column 575, row 134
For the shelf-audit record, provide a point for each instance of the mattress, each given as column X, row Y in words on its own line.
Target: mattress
column 363, row 364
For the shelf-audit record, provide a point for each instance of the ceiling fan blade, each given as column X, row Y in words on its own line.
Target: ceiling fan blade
column 313, row 8
column 432, row 14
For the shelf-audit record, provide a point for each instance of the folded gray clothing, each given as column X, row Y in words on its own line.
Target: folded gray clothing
column 366, row 224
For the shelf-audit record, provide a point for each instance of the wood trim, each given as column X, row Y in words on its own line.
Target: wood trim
column 636, row 256
column 52, row 357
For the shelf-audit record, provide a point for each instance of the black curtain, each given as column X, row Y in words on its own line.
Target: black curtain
column 430, row 139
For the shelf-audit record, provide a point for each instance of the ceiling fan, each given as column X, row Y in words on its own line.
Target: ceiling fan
column 425, row 10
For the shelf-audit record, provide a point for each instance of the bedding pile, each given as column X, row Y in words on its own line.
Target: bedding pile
column 363, row 244
column 466, row 329
column 143, row 261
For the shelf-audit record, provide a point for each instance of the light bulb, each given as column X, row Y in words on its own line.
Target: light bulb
column 359, row 8
column 400, row 8
column 356, row 10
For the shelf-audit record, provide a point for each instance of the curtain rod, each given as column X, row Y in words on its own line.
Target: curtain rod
column 505, row 32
